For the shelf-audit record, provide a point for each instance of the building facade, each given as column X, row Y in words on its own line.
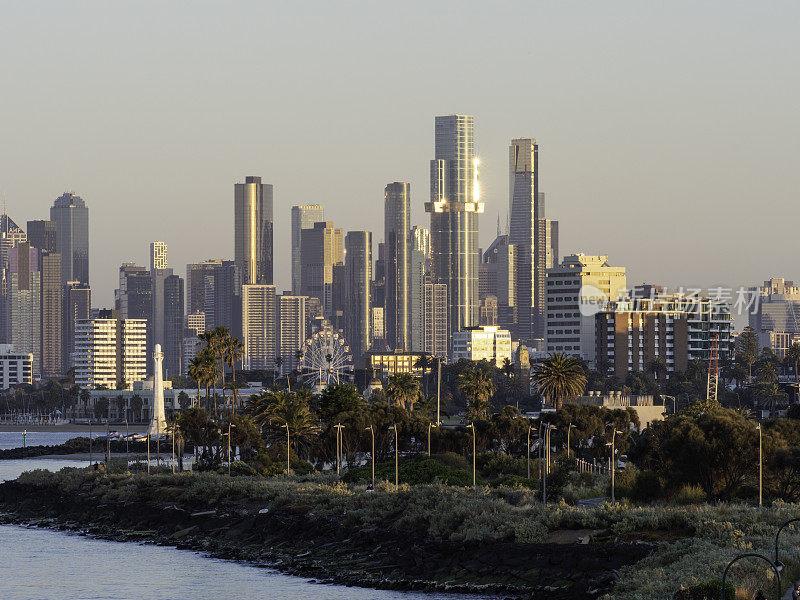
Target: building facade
column 321, row 249
column 42, row 235
column 397, row 257
column 158, row 255
column 24, row 303
column 303, row 217
column 71, row 216
column 52, row 307
column 292, row 320
column 110, row 352
column 77, row 298
column 358, row 279
column 436, row 317
column 16, row 368
column 258, row 326
column 482, row 343
column 775, row 314
column 253, row 231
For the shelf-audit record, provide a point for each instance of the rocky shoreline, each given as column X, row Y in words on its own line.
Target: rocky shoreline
column 298, row 542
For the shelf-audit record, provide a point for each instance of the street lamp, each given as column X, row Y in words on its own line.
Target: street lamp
column 614, row 432
column 229, row 447
column 546, row 467
column 530, row 427
column 570, row 426
column 288, row 468
column 429, row 437
column 778, row 563
column 372, row 431
column 472, row 426
column 760, row 469
column 775, row 568
column 396, row 457
column 338, row 429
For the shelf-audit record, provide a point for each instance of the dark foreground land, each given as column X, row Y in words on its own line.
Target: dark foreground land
column 422, row 538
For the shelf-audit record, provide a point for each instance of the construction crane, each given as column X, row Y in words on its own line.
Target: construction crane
column 713, row 369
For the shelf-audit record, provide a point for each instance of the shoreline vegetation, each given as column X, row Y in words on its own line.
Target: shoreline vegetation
column 425, row 537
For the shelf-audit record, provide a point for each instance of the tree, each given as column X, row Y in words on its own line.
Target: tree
column 136, row 406
column 403, row 390
column 658, row 367
column 183, row 400
column 234, row 351
column 101, row 406
column 559, row 378
column 508, row 368
column 747, row 349
column 121, row 403
column 274, row 409
column 336, row 399
column 424, row 362
column 793, row 356
column 478, row 388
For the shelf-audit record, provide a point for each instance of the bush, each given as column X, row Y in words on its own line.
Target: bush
column 690, row 494
column 413, row 471
column 711, row 590
column 646, row 487
column 494, row 464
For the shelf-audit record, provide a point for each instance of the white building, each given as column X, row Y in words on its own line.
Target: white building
column 15, row 367
column 291, row 330
column 482, row 343
column 577, row 290
column 158, row 255
column 110, row 350
column 258, row 326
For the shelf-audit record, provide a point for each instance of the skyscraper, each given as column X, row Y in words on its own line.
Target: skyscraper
column 397, row 231
column 196, row 274
column 258, row 326
column 168, row 316
column 158, row 255
column 291, row 330
column 134, row 297
column 72, row 236
column 321, row 248
column 358, row 279
column 437, row 330
column 110, row 351
column 11, row 234
column 77, row 298
column 24, row 303
column 52, row 306
column 303, row 217
column 454, row 208
column 253, row 230
column 42, row 235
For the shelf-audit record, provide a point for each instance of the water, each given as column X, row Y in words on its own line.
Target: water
column 13, row 439
column 40, row 564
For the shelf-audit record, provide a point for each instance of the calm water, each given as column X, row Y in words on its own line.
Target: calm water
column 39, row 564
column 13, row 439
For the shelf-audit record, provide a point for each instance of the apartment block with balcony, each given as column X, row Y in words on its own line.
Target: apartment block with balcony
column 482, row 343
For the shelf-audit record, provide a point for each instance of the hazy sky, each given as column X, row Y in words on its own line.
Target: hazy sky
column 668, row 132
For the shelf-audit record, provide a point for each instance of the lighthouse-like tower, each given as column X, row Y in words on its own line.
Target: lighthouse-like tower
column 159, row 423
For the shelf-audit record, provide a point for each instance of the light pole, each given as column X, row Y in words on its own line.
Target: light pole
column 614, row 433
column 229, row 447
column 90, row 444
column 127, row 440
column 288, row 468
column 775, row 569
column 396, row 457
column 530, row 427
column 760, row 469
column 173, row 449
column 338, row 429
column 778, row 563
column 372, row 431
column 546, row 467
column 472, row 426
column 438, row 387
column 570, row 426
column 429, row 437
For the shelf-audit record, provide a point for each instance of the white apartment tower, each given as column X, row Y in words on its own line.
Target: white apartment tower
column 258, row 326
column 110, row 351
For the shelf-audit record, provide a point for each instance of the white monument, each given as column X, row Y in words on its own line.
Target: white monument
column 158, row 424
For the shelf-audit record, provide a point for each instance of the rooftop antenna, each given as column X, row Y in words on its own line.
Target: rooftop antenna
column 498, row 226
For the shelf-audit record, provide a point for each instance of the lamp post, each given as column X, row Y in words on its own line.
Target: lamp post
column 396, row 457
column 614, row 433
column 429, row 437
column 108, row 444
column 570, row 426
column 229, row 446
column 148, row 449
column 546, row 467
column 173, row 449
column 127, row 440
column 778, row 563
column 338, row 429
column 775, row 569
column 438, row 387
column 472, row 426
column 530, row 427
column 90, row 444
column 760, row 468
column 372, row 431
column 288, row 468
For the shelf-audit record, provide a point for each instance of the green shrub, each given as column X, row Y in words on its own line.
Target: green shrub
column 414, row 471
column 494, row 464
column 646, row 486
column 711, row 590
column 690, row 494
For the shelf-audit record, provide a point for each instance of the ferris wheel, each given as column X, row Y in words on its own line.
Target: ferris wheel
column 326, row 358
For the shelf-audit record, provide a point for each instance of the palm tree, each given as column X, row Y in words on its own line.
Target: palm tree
column 508, row 368
column 424, row 362
column 274, row 409
column 793, row 356
column 477, row 386
column 403, row 390
column 234, row 351
column 559, row 378
column 657, row 367
column 195, row 371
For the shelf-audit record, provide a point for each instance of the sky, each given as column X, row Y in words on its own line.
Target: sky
column 668, row 133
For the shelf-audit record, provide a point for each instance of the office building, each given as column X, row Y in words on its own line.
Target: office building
column 358, row 278
column 258, row 326
column 321, row 248
column 23, row 300
column 42, row 235
column 110, row 352
column 291, row 330
column 77, row 299
column 378, row 323
column 51, row 311
column 394, row 362
column 454, row 208
column 633, row 332
column 421, row 240
column 11, row 234
column 498, row 278
column 190, row 347
column 198, row 284
column 482, row 343
column 253, row 231
column 158, row 255
column 419, row 268
column 167, row 319
column 397, row 264
column 16, row 368
column 489, row 310
column 577, row 290
column 72, row 236
column 303, row 217
column 134, row 297
column 196, row 323
column 774, row 314
column 436, row 318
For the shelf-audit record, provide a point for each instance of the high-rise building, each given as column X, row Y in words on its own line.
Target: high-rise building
column 77, row 298
column 110, row 351
column 196, row 323
column 421, row 240
column 291, row 330
column 437, row 326
column 358, row 277
column 397, row 232
column 16, row 368
column 454, row 208
column 576, row 290
column 11, row 234
column 196, row 283
column 52, row 307
column 134, row 297
column 321, row 248
column 213, row 287
column 258, row 326
column 158, row 255
column 775, row 314
column 24, row 308
column 42, row 235
column 167, row 320
column 71, row 216
column 253, row 230
column 303, row 217
column 482, row 343
column 420, row 266
column 497, row 278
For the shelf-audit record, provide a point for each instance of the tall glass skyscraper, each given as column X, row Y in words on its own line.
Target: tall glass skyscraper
column 358, row 279
column 303, row 217
column 397, row 232
column 72, row 236
column 454, row 208
column 253, row 231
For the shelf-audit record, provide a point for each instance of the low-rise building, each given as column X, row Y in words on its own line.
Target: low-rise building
column 394, row 362
column 15, row 367
column 647, row 409
column 482, row 343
